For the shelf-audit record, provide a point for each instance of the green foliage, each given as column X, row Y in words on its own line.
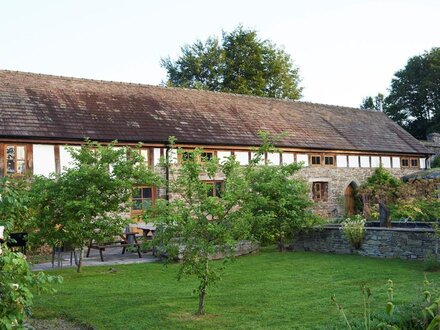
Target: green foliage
column 370, row 103
column 430, row 263
column 195, row 225
column 414, row 96
column 417, row 209
column 354, row 230
column 240, row 63
column 88, row 200
column 14, row 212
column 280, row 204
column 436, row 162
column 16, row 282
column 424, row 313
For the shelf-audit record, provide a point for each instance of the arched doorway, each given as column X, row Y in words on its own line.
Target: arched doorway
column 350, row 202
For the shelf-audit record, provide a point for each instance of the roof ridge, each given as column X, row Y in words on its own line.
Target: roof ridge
column 103, row 81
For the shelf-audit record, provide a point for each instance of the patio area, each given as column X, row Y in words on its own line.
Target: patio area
column 113, row 256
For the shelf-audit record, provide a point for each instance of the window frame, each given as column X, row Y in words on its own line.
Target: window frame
column 5, row 159
column 410, row 162
column 333, row 157
column 315, row 156
column 320, row 191
column 134, row 212
column 214, row 191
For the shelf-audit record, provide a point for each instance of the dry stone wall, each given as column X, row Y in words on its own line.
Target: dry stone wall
column 402, row 243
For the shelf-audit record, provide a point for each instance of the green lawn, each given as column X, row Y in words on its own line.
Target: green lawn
column 269, row 290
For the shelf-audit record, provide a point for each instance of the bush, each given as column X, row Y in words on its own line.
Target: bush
column 354, row 230
column 16, row 281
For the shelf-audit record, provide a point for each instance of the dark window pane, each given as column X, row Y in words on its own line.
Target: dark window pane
column 414, row 162
column 10, row 166
column 137, row 204
column 210, row 189
column 136, row 193
column 146, row 204
column 206, row 156
column 405, row 162
column 316, row 160
column 187, row 155
column 146, row 192
column 21, row 166
column 218, row 189
column 329, row 160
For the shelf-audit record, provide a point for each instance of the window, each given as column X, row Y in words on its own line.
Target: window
column 414, row 162
column 206, row 156
column 141, row 199
column 215, row 188
column 329, row 160
column 404, row 162
column 187, row 155
column 15, row 160
column 316, row 160
column 320, row 191
column 409, row 162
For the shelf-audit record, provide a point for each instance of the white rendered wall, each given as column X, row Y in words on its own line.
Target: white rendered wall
column 301, row 158
column 144, row 153
column 66, row 160
column 353, row 161
column 386, row 162
column 223, row 156
column 365, row 161
column 273, row 158
column 422, row 162
column 341, row 161
column 44, row 159
column 375, row 161
column 156, row 156
column 288, row 158
column 242, row 157
column 396, row 162
column 261, row 161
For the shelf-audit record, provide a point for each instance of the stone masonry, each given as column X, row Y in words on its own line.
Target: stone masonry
column 402, row 243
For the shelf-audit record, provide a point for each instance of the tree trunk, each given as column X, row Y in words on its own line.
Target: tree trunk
column 280, row 242
column 79, row 266
column 202, row 289
column 384, row 215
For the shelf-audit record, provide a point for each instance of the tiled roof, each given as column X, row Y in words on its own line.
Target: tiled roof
column 51, row 107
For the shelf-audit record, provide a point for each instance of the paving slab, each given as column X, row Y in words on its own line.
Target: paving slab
column 112, row 256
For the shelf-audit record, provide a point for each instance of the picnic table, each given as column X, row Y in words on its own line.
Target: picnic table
column 124, row 240
column 148, row 230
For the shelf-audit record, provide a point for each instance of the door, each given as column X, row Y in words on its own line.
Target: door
column 349, row 200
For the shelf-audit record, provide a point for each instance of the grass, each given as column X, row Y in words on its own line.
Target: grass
column 269, row 290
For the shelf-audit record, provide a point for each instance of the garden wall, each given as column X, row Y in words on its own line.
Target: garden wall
column 403, row 243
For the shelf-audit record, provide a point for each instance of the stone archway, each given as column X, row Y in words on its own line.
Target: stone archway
column 349, row 199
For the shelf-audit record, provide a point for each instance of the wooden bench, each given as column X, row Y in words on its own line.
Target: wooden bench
column 124, row 242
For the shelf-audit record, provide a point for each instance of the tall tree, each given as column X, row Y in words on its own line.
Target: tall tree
column 373, row 103
column 414, row 99
column 239, row 63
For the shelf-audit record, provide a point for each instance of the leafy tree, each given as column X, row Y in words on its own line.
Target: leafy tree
column 14, row 198
column 280, row 205
column 88, row 200
column 240, row 63
column 198, row 223
column 382, row 188
column 436, row 162
column 373, row 103
column 414, row 99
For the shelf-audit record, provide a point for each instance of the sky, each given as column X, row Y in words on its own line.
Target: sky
column 345, row 49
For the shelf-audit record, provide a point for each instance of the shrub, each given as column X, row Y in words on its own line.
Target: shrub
column 354, row 230
column 16, row 281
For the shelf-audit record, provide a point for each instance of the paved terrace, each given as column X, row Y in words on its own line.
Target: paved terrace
column 112, row 256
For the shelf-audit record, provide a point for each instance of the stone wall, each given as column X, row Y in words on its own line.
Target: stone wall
column 338, row 179
column 433, row 144
column 402, row 243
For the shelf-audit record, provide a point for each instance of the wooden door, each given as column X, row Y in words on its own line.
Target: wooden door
column 349, row 200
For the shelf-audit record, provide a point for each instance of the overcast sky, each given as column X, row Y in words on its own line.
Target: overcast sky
column 345, row 49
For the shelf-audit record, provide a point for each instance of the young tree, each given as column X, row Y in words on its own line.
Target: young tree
column 204, row 218
column 279, row 204
column 414, row 99
column 88, row 201
column 373, row 103
column 240, row 63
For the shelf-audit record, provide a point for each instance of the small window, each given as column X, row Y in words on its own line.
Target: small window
column 414, row 162
column 320, row 191
column 15, row 160
column 329, row 160
column 187, row 155
column 142, row 199
column 316, row 160
column 206, row 156
column 215, row 188
column 404, row 162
